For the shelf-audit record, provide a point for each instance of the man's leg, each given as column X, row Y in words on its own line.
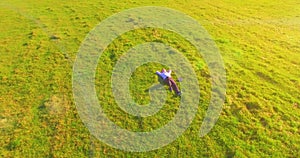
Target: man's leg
column 174, row 86
column 169, row 83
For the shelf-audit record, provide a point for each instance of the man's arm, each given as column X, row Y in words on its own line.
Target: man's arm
column 159, row 74
column 168, row 73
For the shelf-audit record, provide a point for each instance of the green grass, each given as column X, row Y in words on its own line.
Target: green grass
column 260, row 46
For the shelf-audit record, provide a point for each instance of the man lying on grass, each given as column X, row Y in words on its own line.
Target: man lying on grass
column 167, row 79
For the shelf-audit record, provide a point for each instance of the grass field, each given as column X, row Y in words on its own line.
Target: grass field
column 259, row 43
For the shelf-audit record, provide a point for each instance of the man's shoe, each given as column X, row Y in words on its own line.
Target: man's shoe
column 179, row 93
